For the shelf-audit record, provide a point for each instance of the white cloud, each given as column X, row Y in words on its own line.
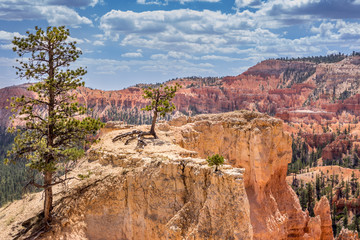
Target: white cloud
column 71, row 3
column 56, row 12
column 182, row 30
column 9, row 36
column 132, row 55
column 278, row 13
column 173, row 55
column 6, row 46
column 215, row 36
column 247, row 3
column 220, row 58
column 6, row 38
column 77, row 40
column 98, row 43
column 172, row 67
column 166, row 2
column 59, row 15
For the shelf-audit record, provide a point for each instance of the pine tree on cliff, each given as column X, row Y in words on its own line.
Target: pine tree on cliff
column 52, row 135
column 160, row 102
column 160, row 105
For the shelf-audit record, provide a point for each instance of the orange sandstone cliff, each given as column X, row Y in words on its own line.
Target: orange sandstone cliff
column 257, row 143
column 167, row 190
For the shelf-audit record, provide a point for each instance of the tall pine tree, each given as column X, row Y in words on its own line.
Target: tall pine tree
column 53, row 130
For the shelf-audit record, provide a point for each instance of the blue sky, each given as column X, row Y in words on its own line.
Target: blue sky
column 125, row 42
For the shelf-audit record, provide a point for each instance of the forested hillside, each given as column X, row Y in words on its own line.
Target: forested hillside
column 12, row 176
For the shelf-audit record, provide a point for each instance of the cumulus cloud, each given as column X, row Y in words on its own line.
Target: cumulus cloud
column 165, row 2
column 219, row 58
column 6, row 46
column 72, row 3
column 215, row 36
column 284, row 12
column 98, row 43
column 132, row 55
column 247, row 3
column 6, row 38
column 9, row 36
column 56, row 12
column 182, row 30
column 77, row 40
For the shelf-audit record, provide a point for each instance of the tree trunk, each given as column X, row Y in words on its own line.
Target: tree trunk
column 48, row 196
column 152, row 130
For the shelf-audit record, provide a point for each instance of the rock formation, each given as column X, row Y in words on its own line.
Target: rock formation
column 336, row 149
column 157, row 195
column 322, row 209
column 257, row 143
column 295, row 91
column 167, row 191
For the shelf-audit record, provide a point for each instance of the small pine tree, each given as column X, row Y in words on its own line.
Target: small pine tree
column 215, row 160
column 347, row 190
column 346, row 218
column 160, row 102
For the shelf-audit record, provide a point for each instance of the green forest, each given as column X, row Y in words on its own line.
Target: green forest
column 13, row 177
column 343, row 194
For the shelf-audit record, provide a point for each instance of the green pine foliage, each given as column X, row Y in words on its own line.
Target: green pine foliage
column 331, row 58
column 54, row 132
column 12, row 176
column 161, row 104
column 343, row 197
column 215, row 160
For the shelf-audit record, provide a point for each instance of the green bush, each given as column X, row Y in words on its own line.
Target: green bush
column 215, row 160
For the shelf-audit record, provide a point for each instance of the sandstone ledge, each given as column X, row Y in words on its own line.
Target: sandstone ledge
column 167, row 191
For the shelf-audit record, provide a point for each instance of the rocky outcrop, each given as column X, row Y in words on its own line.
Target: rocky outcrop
column 318, row 140
column 305, row 115
column 322, row 209
column 167, row 190
column 351, row 105
column 336, row 149
column 346, row 234
column 257, row 143
column 159, row 192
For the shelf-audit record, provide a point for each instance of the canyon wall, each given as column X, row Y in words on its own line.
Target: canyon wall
column 257, row 143
column 296, row 91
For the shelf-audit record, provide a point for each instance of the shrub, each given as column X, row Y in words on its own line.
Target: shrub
column 215, row 160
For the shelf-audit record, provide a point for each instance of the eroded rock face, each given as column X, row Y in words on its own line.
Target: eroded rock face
column 155, row 194
column 336, row 149
column 322, row 209
column 295, row 91
column 167, row 190
column 257, row 143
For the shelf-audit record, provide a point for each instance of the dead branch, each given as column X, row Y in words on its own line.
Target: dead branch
column 135, row 134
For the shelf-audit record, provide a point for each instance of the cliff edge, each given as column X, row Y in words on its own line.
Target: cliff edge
column 256, row 142
column 167, row 191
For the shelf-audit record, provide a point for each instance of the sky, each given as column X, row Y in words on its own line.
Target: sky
column 125, row 42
